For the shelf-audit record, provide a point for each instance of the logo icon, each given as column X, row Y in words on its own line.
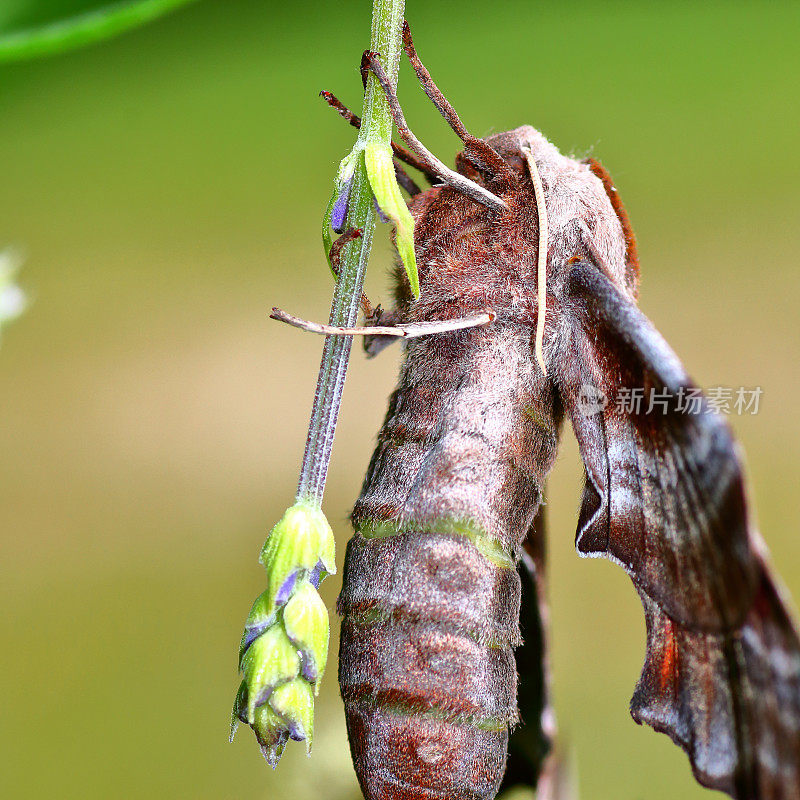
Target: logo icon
column 591, row 400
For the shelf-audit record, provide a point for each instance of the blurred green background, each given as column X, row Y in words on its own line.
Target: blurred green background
column 167, row 187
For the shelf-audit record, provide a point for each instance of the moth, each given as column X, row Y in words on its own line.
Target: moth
column 444, row 576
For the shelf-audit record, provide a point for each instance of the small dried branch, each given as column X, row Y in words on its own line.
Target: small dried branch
column 410, row 331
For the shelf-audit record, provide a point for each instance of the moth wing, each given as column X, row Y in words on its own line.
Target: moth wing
column 533, row 760
column 531, row 740
column 664, row 498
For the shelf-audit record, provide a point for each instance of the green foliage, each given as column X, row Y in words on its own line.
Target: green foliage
column 31, row 28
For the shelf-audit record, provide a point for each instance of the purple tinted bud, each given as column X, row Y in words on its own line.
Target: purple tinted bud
column 314, row 576
column 308, row 669
column 251, row 633
column 339, row 213
column 285, row 592
column 295, row 733
column 263, row 696
column 381, row 216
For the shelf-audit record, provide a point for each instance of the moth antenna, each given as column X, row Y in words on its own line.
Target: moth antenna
column 410, row 331
column 491, row 160
column 459, row 182
column 541, row 261
column 400, row 152
column 335, row 256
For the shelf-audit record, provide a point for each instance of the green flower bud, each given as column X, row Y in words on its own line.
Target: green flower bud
column 271, row 734
column 270, row 730
column 301, row 546
column 294, row 703
column 379, row 164
column 344, row 182
column 382, row 179
column 305, row 619
column 285, row 642
column 262, row 615
column 269, row 661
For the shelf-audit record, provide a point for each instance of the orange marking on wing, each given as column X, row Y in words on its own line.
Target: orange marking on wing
column 669, row 663
column 632, row 255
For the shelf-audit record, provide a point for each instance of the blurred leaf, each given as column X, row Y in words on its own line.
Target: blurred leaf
column 31, row 28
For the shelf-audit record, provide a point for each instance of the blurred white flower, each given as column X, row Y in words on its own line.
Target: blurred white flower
column 12, row 299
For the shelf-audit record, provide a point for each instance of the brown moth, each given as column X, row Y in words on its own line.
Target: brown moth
column 448, row 528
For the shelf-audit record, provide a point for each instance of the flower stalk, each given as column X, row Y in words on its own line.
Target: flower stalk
column 365, row 175
column 285, row 642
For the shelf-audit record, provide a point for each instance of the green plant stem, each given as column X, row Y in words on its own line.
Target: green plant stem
column 387, row 20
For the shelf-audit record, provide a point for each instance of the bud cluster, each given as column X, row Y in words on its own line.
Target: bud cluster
column 285, row 642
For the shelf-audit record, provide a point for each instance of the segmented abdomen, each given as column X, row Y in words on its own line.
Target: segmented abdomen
column 431, row 595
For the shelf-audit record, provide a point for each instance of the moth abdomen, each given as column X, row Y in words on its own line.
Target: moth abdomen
column 423, row 669
column 402, row 756
column 431, row 595
column 429, row 678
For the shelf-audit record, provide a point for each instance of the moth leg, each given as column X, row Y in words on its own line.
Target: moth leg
column 335, row 257
column 479, row 151
column 400, row 152
column 374, row 344
column 458, row 181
